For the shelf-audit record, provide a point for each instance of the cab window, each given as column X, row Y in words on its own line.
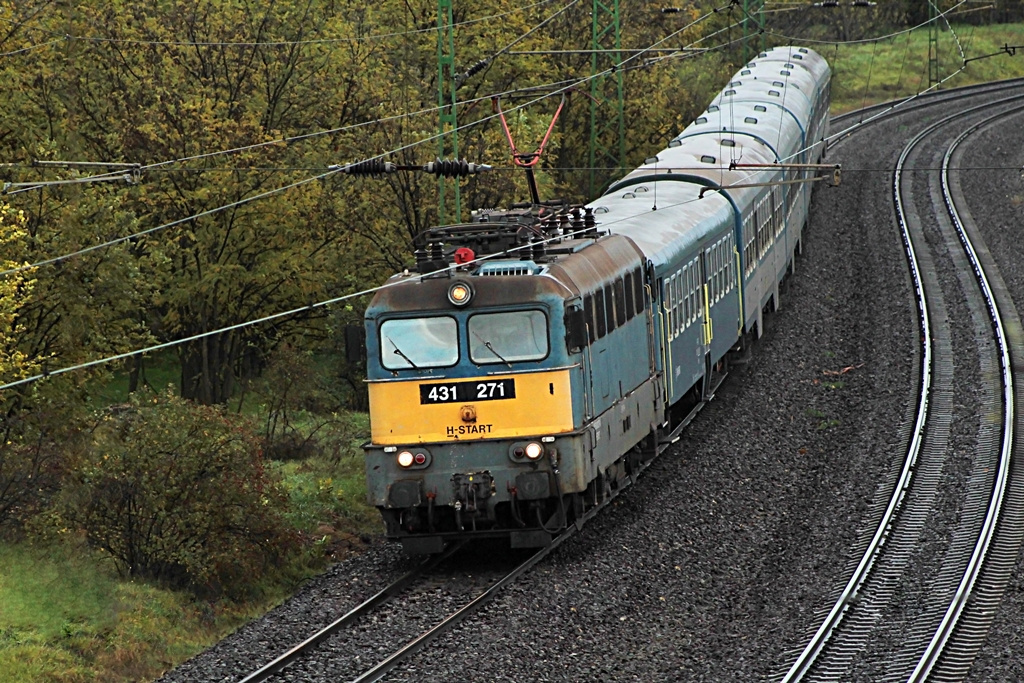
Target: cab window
column 508, row 337
column 419, row 343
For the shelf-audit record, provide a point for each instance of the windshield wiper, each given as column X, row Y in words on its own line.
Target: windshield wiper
column 402, row 354
column 491, row 349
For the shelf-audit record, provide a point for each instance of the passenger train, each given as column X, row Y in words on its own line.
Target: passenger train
column 542, row 353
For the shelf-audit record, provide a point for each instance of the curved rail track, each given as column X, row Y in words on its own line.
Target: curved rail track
column 410, row 581
column 937, row 640
column 941, row 641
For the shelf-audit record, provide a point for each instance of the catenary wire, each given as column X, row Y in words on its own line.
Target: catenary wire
column 331, row 171
column 277, row 316
column 277, row 43
column 796, row 39
column 332, row 131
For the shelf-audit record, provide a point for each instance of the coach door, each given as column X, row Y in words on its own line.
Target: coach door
column 705, row 269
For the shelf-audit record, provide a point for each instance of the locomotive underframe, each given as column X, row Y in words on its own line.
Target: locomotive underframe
column 525, row 501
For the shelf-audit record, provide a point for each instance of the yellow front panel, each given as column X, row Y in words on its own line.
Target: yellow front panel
column 542, row 405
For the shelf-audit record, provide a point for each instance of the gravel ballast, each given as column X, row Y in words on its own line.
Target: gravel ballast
column 722, row 560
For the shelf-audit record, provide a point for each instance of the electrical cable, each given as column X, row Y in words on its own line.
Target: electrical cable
column 483, row 63
column 275, row 43
column 371, row 290
column 795, row 39
column 275, row 316
column 179, row 221
column 31, row 47
column 331, row 131
column 331, row 170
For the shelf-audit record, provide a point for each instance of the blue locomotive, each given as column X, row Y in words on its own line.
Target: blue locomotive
column 543, row 352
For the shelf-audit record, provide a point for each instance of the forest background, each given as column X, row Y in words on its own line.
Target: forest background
column 150, row 503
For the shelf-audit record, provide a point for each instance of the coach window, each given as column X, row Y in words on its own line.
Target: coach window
column 669, row 303
column 698, row 292
column 599, row 313
column 678, row 281
column 680, row 301
column 508, row 337
column 620, row 302
column 419, row 343
column 638, row 289
column 630, row 310
column 609, row 307
column 720, row 269
column 588, row 311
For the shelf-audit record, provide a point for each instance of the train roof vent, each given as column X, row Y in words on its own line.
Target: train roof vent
column 785, row 73
column 708, row 159
column 797, row 56
column 803, row 49
column 790, row 66
column 749, row 119
column 778, row 84
column 760, row 107
column 713, row 107
column 774, row 93
column 505, row 268
column 729, row 92
column 745, row 72
column 702, row 119
column 728, row 143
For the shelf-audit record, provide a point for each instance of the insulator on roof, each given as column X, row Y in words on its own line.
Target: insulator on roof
column 370, row 167
column 454, row 169
column 471, row 71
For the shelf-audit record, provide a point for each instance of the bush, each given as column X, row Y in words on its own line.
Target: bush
column 34, row 451
column 178, row 492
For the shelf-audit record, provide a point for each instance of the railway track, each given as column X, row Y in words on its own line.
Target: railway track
column 879, row 627
column 414, row 581
column 699, row 627
column 386, row 606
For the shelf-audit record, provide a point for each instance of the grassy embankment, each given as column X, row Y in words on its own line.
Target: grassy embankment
column 66, row 616
column 898, row 67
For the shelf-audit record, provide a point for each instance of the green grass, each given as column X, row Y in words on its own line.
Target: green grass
column 328, row 492
column 65, row 616
column 898, row 67
column 158, row 371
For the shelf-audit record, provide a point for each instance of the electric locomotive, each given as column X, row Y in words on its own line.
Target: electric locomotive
column 540, row 354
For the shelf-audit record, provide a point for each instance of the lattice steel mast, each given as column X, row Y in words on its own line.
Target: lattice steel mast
column 607, row 120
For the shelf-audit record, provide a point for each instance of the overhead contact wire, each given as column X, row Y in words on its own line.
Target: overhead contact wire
column 332, row 170
column 276, row 43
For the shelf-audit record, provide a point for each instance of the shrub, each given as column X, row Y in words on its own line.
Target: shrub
column 34, row 451
column 178, row 492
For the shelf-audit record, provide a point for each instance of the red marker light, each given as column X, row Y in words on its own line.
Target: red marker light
column 464, row 255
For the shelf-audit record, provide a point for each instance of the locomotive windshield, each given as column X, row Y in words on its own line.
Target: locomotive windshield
column 419, row 343
column 508, row 337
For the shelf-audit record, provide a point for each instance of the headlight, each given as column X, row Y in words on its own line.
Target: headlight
column 413, row 458
column 534, row 450
column 460, row 293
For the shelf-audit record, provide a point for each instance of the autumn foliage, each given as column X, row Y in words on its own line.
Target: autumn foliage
column 178, row 492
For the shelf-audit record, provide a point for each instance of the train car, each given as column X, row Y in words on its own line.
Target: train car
column 540, row 354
